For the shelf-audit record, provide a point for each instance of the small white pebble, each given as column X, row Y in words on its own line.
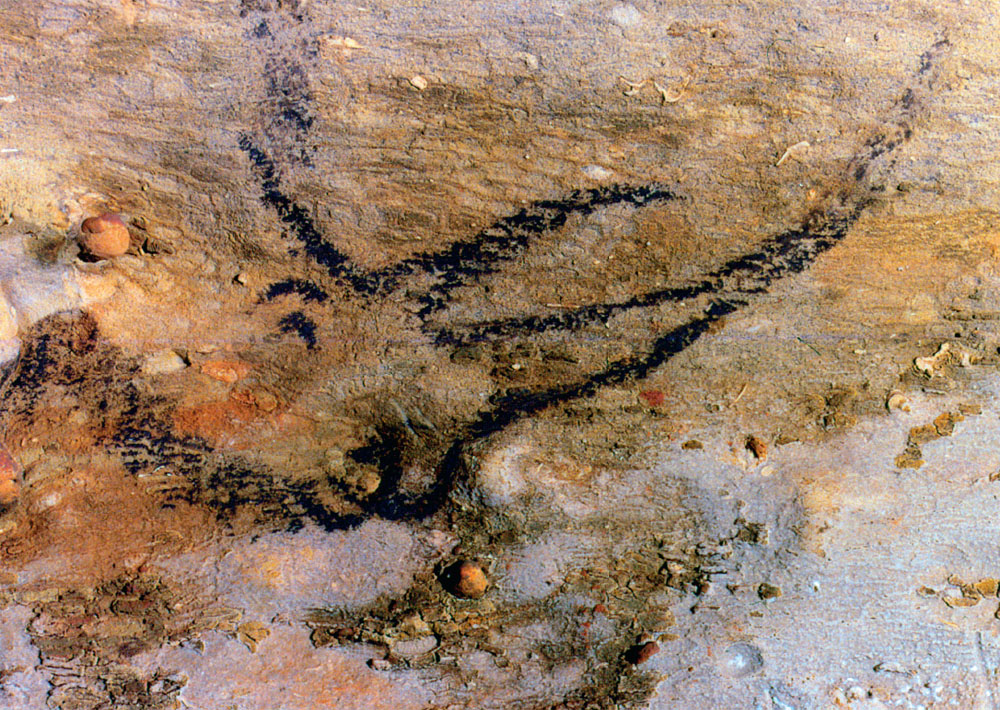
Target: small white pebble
column 418, row 82
column 626, row 16
column 530, row 60
column 596, row 172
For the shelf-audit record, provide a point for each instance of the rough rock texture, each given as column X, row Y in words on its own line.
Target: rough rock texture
column 680, row 319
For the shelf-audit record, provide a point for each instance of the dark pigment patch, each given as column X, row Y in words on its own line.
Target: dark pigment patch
column 309, row 291
column 300, row 324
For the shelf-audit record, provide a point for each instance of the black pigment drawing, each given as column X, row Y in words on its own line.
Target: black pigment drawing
column 727, row 288
column 276, row 28
column 142, row 434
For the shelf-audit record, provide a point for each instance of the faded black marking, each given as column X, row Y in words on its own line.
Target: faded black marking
column 262, row 30
column 309, row 291
column 248, row 6
column 928, row 58
column 288, row 88
column 287, row 110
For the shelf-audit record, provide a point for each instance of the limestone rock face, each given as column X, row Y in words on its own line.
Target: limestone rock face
column 676, row 322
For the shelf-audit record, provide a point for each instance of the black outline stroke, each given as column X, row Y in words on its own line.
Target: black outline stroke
column 725, row 289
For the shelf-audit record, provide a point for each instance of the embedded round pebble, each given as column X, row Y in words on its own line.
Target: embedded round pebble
column 105, row 236
column 465, row 579
column 740, row 660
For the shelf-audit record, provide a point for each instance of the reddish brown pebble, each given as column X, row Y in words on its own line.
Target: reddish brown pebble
column 642, row 652
column 465, row 579
column 654, row 398
column 105, row 236
column 10, row 477
column 600, row 609
column 757, row 447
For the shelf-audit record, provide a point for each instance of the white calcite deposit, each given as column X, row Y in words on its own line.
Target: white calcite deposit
column 30, row 291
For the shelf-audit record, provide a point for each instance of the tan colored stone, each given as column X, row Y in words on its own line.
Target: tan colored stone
column 104, row 236
column 228, row 371
column 163, row 362
column 251, row 633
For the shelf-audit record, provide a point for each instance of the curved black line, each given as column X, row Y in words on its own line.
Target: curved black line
column 745, row 275
column 730, row 287
column 461, row 261
column 793, row 252
column 301, row 225
column 309, row 291
column 572, row 319
column 507, row 238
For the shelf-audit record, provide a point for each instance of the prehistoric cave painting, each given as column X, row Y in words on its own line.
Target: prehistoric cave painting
column 66, row 351
column 65, row 365
column 724, row 290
